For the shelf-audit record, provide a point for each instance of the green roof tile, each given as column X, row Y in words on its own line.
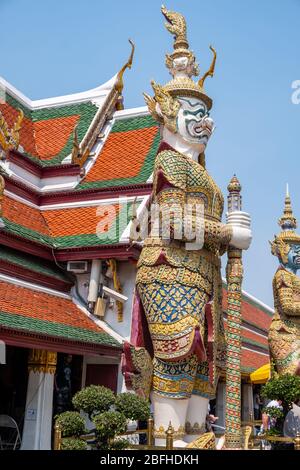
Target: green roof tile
column 16, row 229
column 21, row 322
column 86, row 111
column 142, row 177
column 32, row 263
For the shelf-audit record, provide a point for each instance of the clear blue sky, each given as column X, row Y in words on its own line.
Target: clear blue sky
column 56, row 47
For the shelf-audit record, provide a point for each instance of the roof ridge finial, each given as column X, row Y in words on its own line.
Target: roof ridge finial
column 119, row 85
column 287, row 221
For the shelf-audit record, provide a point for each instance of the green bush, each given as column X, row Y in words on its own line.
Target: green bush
column 273, row 412
column 71, row 423
column 285, row 388
column 70, row 443
column 132, row 406
column 109, row 424
column 94, row 399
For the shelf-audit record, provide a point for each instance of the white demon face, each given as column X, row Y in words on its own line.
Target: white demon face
column 193, row 123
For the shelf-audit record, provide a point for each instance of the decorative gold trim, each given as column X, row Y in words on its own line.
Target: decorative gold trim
column 233, row 441
column 206, row 441
column 160, row 433
column 112, row 263
column 42, row 361
column 10, row 138
column 195, row 429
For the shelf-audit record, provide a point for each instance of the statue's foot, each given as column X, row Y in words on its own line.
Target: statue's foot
column 176, row 443
column 179, row 443
column 191, row 437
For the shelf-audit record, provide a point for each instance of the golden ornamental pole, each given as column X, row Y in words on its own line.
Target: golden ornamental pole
column 234, row 276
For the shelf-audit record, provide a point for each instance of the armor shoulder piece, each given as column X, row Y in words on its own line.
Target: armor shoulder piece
column 174, row 167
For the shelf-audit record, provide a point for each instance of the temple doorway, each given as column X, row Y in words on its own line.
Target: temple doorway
column 13, row 384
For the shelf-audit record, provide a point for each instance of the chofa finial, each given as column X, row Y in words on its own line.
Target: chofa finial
column 119, row 83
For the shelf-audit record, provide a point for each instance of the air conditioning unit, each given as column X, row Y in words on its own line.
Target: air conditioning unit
column 77, row 267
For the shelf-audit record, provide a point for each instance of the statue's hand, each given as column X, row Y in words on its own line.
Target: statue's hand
column 241, row 232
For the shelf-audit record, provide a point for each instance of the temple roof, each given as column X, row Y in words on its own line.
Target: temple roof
column 127, row 156
column 57, row 117
column 28, row 309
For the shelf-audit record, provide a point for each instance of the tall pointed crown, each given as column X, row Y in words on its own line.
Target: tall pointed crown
column 287, row 221
column 288, row 224
column 182, row 66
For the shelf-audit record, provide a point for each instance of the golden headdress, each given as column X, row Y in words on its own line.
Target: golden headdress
column 288, row 223
column 182, row 66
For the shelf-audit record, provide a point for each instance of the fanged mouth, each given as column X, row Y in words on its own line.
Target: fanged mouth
column 198, row 130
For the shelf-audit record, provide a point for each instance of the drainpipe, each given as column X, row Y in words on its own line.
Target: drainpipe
column 94, row 282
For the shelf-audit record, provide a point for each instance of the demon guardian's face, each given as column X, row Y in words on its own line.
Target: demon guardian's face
column 193, row 122
column 294, row 258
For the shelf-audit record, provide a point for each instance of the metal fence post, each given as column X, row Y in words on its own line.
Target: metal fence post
column 169, row 437
column 297, row 441
column 57, row 437
column 150, row 439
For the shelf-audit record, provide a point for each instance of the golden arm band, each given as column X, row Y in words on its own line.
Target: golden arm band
column 286, row 301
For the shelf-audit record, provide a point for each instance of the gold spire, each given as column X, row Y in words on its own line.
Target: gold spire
column 182, row 66
column 287, row 221
column 234, row 185
column 176, row 25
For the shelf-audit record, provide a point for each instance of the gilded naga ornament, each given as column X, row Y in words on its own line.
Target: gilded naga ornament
column 10, row 138
column 177, row 313
column 284, row 332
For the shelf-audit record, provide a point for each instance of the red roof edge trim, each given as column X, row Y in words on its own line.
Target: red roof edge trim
column 120, row 252
column 21, row 244
column 58, row 197
column 64, row 169
column 13, row 270
column 25, row 339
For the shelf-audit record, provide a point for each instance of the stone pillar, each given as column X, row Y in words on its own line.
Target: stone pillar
column 39, row 401
column 247, row 401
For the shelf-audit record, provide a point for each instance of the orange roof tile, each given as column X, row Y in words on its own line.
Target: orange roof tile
column 255, row 337
column 251, row 359
column 81, row 220
column 24, row 215
column 251, row 313
column 123, row 155
column 39, row 305
column 52, row 135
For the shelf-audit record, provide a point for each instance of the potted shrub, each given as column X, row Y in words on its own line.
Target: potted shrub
column 108, row 425
column 109, row 414
column 93, row 400
column 71, row 423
